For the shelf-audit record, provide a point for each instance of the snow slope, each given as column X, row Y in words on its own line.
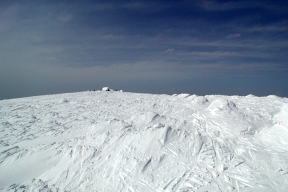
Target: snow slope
column 117, row 141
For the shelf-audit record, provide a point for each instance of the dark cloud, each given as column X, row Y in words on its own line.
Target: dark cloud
column 55, row 46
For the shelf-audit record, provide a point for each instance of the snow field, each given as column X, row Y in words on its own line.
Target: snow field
column 118, row 141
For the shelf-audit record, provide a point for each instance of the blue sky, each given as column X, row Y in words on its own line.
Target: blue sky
column 201, row 47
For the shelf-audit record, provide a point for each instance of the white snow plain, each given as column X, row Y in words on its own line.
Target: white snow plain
column 100, row 141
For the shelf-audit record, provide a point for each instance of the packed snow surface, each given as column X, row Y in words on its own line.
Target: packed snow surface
column 100, row 141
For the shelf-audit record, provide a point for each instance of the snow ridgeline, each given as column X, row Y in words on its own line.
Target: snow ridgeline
column 117, row 141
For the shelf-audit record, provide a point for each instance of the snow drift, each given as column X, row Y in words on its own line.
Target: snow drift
column 116, row 141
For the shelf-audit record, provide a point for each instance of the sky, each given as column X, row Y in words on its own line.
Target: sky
column 155, row 46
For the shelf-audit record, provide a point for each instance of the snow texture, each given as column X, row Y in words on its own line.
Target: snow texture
column 100, row 141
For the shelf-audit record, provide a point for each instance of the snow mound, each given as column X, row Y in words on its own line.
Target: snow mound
column 106, row 89
column 183, row 95
column 276, row 136
column 95, row 141
column 281, row 118
column 222, row 105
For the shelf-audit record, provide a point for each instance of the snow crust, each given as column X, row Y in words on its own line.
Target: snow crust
column 118, row 141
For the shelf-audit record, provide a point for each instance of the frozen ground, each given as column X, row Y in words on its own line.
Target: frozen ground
column 116, row 141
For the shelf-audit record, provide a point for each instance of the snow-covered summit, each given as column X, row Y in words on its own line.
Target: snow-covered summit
column 118, row 141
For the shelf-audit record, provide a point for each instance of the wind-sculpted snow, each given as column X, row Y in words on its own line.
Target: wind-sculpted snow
column 115, row 141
